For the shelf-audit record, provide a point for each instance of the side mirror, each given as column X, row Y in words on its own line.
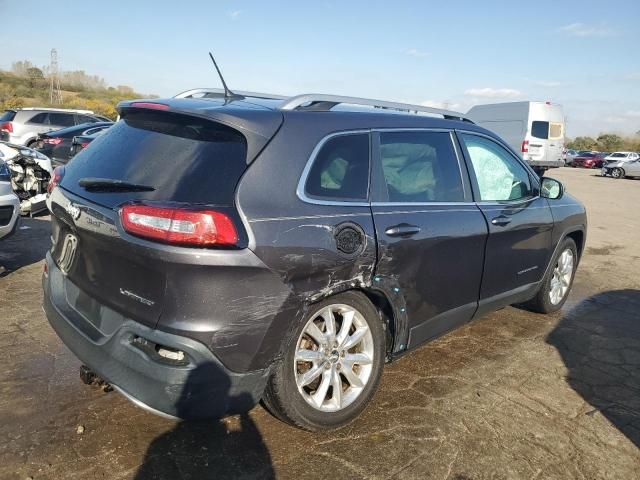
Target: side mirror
column 551, row 188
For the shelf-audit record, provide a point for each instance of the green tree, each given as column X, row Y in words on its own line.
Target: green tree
column 608, row 142
column 582, row 143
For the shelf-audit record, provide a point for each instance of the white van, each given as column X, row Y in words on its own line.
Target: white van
column 533, row 129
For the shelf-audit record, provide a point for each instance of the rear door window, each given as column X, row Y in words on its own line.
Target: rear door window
column 185, row 159
column 420, row 167
column 61, row 119
column 85, row 119
column 40, row 119
column 540, row 130
column 340, row 171
column 555, row 130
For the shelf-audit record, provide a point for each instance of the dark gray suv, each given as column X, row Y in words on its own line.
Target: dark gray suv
column 211, row 253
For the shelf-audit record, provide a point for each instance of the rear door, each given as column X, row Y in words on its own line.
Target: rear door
column 431, row 236
column 538, row 140
column 555, row 143
column 519, row 220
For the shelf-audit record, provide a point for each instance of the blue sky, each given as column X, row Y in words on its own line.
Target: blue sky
column 582, row 54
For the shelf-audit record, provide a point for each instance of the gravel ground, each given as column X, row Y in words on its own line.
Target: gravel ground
column 513, row 395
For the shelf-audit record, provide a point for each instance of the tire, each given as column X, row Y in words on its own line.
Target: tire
column 544, row 302
column 31, row 144
column 617, row 173
column 309, row 406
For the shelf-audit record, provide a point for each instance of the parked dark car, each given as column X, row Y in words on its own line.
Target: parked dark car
column 211, row 253
column 589, row 160
column 57, row 144
column 80, row 142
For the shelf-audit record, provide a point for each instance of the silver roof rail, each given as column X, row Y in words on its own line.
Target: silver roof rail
column 219, row 92
column 323, row 102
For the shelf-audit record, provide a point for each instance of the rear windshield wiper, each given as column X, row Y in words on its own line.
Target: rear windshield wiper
column 112, row 185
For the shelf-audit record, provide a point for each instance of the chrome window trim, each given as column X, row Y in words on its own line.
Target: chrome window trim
column 417, row 204
column 300, row 190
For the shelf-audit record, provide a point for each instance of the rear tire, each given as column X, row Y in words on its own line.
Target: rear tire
column 558, row 281
column 350, row 359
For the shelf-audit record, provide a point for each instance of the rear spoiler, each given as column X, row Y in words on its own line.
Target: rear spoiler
column 258, row 126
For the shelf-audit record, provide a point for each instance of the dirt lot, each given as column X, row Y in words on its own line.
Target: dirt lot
column 514, row 395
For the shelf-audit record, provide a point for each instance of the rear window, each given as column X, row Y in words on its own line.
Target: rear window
column 540, row 130
column 7, row 116
column 184, row 158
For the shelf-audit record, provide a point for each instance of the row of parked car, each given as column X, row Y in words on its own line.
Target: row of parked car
column 616, row 164
column 32, row 142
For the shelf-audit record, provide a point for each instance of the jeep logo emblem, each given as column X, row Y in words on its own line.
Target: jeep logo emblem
column 73, row 211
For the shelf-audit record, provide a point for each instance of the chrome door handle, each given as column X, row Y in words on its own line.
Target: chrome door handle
column 501, row 221
column 402, row 230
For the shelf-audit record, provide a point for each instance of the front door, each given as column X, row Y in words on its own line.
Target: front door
column 519, row 220
column 431, row 236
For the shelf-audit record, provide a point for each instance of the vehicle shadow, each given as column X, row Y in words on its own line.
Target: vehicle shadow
column 599, row 341
column 206, row 449
column 28, row 245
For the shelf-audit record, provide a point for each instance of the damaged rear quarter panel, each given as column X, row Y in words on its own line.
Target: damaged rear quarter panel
column 297, row 240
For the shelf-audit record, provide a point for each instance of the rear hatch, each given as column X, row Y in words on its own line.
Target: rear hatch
column 184, row 161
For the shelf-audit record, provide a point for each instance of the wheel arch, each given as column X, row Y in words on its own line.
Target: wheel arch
column 578, row 236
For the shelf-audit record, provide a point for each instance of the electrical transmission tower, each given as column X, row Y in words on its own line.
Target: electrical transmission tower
column 55, row 95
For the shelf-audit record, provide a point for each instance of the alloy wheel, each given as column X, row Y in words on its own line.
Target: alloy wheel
column 562, row 274
column 334, row 358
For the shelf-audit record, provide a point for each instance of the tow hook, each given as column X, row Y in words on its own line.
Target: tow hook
column 89, row 377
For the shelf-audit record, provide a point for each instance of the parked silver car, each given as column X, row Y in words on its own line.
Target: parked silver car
column 622, row 169
column 9, row 203
column 22, row 126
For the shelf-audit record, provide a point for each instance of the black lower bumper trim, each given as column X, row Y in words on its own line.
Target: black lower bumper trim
column 204, row 388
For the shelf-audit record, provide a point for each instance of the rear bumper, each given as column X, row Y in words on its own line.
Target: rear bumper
column 546, row 163
column 199, row 387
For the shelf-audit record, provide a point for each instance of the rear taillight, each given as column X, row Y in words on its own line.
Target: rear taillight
column 52, row 141
column 84, row 144
column 525, row 146
column 58, row 173
column 179, row 226
column 6, row 127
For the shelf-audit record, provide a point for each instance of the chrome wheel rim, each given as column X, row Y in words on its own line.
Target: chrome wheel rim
column 561, row 280
column 615, row 173
column 333, row 358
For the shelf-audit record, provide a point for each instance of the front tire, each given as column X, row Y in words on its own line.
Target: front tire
column 331, row 365
column 617, row 173
column 558, row 281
